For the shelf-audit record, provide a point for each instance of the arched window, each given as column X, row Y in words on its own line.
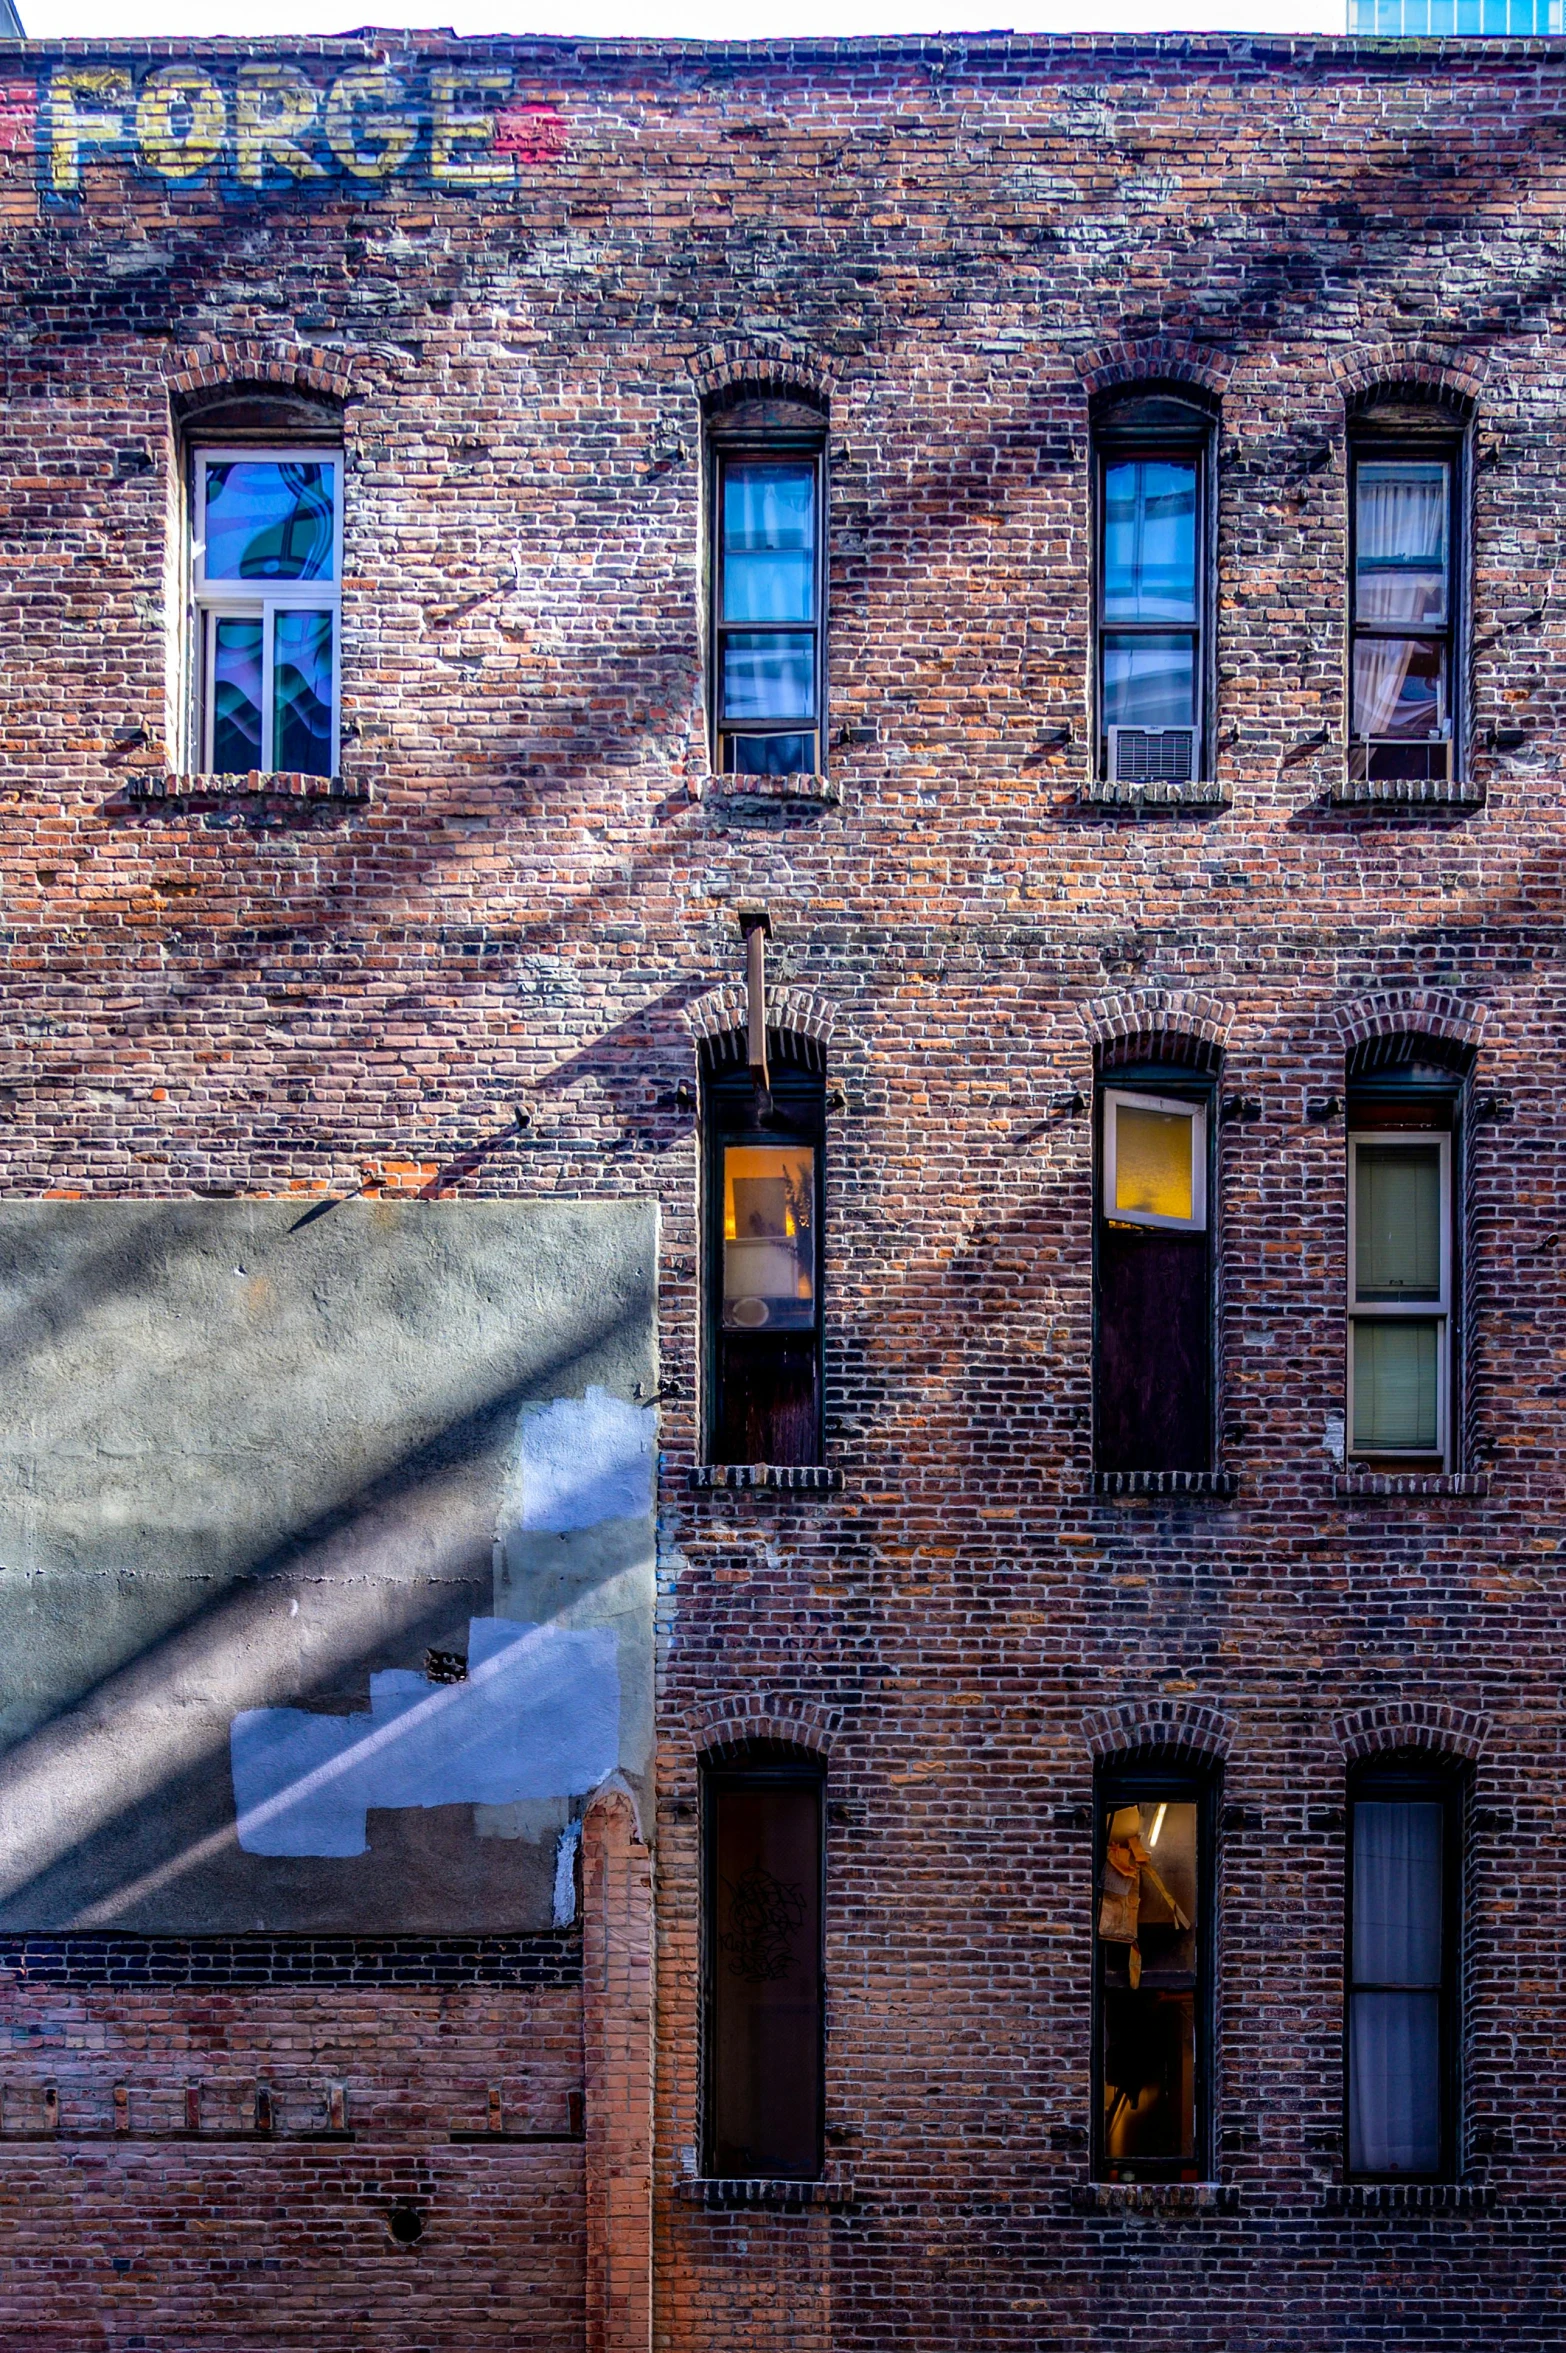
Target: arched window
column 1152, row 1978
column 1406, row 1097
column 1153, row 1257
column 1404, row 1947
column 264, row 501
column 763, row 2041
column 766, row 475
column 764, row 1176
column 1153, row 526
column 1406, row 618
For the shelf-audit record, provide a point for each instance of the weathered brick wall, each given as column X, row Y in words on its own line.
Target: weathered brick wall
column 958, row 242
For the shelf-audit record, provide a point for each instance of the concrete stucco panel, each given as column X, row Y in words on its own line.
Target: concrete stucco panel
column 253, row 1453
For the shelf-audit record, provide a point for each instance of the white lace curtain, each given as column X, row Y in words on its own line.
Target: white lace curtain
column 1401, row 566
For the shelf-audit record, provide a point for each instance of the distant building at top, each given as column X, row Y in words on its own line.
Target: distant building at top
column 1516, row 20
column 11, row 28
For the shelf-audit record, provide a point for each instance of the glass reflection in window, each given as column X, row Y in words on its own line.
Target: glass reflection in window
column 265, row 576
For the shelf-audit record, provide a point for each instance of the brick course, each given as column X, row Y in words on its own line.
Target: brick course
column 526, row 895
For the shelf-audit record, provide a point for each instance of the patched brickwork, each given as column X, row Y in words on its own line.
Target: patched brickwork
column 477, row 968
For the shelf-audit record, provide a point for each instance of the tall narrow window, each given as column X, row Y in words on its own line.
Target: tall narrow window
column 768, row 587
column 1153, row 1359
column 764, row 1176
column 1152, row 469
column 1151, row 1938
column 764, row 2023
column 1402, row 1260
column 1405, row 689
column 1404, row 1915
column 266, row 571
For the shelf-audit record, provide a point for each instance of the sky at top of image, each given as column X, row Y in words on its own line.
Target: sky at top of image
column 701, row 20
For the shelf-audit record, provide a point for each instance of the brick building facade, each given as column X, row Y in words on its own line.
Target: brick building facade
column 1208, row 392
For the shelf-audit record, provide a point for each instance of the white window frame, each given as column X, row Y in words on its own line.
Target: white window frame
column 244, row 600
column 1437, row 1311
column 1196, row 1113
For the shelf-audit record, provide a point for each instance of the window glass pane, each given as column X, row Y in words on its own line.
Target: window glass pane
column 1395, row 1386
column 1395, row 2082
column 1149, row 681
column 1153, row 1155
column 1147, row 1943
column 769, row 542
column 769, row 1263
column 768, row 677
column 771, row 755
column 764, row 1958
column 1397, row 1221
column 1397, row 1891
column 269, row 519
column 1400, row 540
column 236, row 697
column 1399, row 687
column 302, row 693
column 1150, row 539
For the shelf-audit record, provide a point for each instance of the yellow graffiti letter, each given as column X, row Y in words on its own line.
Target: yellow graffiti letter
column 71, row 127
column 180, row 121
column 372, row 150
column 275, row 105
column 453, row 130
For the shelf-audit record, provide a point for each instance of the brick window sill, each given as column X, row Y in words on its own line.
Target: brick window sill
column 725, row 2196
column 771, row 792
column 280, row 784
column 785, row 1478
column 1409, row 2197
column 1403, row 792
column 1154, row 2197
column 1155, row 796
column 1180, row 1486
column 1369, row 1486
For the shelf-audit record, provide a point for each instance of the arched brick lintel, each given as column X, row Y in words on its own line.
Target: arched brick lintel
column 337, row 374
column 1391, row 368
column 734, row 1723
column 1184, row 1727
column 1433, row 1013
column 1411, row 1723
column 764, row 360
column 1143, row 1013
column 787, row 1008
column 1167, row 359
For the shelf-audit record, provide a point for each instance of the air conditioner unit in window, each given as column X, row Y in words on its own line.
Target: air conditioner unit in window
column 1152, row 755
column 1399, row 758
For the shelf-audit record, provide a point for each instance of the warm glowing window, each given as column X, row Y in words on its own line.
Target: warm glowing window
column 1151, row 1901
column 763, row 1271
column 1155, row 1161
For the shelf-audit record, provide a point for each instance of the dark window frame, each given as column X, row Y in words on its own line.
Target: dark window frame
column 1140, row 1780
column 740, row 432
column 1417, row 1776
column 1117, row 432
column 795, row 1112
column 1414, row 1087
column 765, row 1765
column 1389, row 432
column 1181, row 1082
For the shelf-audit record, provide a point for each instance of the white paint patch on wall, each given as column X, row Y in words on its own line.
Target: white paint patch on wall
column 581, row 1460
column 565, row 1874
column 539, row 1716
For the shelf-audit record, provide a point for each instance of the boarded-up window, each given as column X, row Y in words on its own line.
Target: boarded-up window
column 1151, row 1902
column 763, row 1972
column 764, row 1179
column 1153, row 1374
